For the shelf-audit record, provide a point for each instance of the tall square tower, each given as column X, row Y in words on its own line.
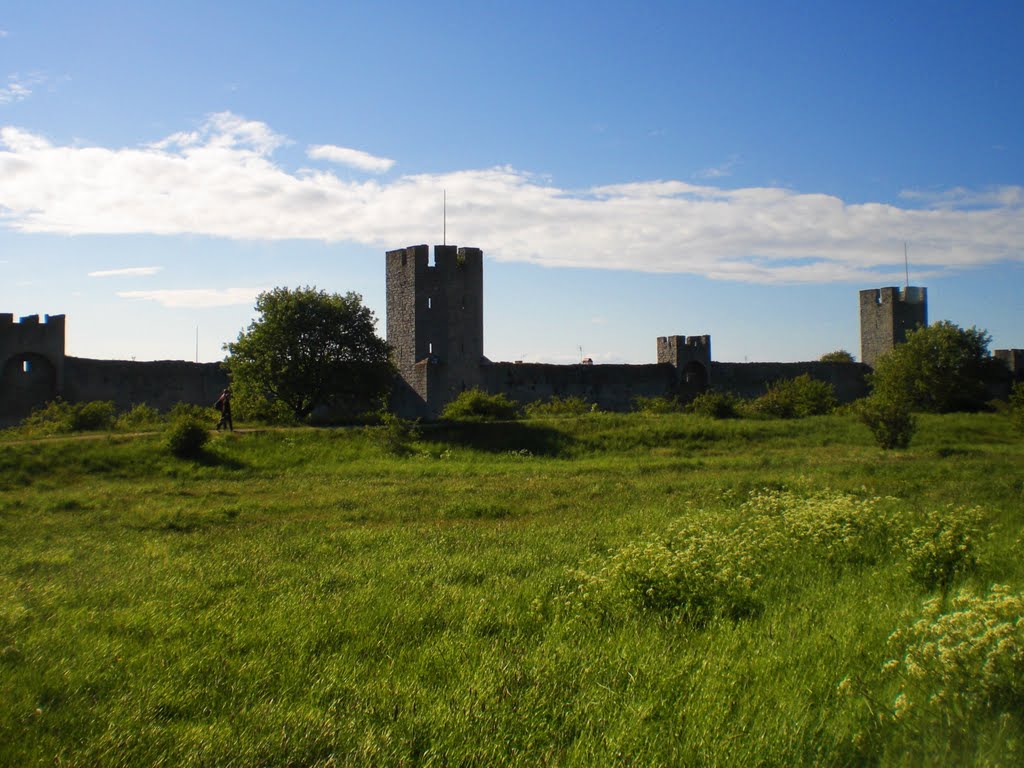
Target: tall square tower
column 886, row 316
column 435, row 324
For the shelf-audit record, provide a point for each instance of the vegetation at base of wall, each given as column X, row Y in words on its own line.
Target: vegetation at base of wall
column 616, row 589
column 716, row 405
column 62, row 418
column 838, row 356
column 656, row 405
column 891, row 421
column 941, row 368
column 477, row 405
column 795, row 398
column 559, row 406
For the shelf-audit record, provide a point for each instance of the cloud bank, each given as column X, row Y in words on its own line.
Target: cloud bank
column 221, row 180
column 196, row 298
column 126, row 272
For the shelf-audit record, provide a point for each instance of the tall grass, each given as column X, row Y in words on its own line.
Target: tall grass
column 313, row 597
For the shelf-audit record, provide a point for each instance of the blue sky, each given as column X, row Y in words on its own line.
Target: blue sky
column 630, row 169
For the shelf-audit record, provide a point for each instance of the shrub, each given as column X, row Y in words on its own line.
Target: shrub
column 890, row 421
column 96, row 415
column 693, row 572
column 959, row 672
column 643, row 404
column 395, row 434
column 835, row 527
column 560, row 406
column 187, row 437
column 1017, row 404
column 716, row 405
column 477, row 405
column 945, row 546
column 839, row 356
column 796, row 398
column 208, row 417
column 940, row 368
column 60, row 417
column 55, row 417
column 140, row 416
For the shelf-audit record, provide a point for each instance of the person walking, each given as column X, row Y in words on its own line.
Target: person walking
column 223, row 405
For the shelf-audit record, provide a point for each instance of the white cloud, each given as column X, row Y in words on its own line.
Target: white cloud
column 221, row 180
column 191, row 298
column 352, row 157
column 719, row 171
column 3, row 33
column 16, row 89
column 127, row 271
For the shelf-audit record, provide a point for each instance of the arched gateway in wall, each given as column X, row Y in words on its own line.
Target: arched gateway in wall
column 31, row 363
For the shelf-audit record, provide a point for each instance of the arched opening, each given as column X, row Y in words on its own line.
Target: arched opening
column 695, row 376
column 27, row 381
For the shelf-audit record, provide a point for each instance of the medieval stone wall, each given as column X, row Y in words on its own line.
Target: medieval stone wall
column 752, row 379
column 160, row 384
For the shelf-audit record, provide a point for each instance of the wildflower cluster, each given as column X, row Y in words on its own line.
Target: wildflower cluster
column 836, row 527
column 945, row 547
column 693, row 572
column 956, row 666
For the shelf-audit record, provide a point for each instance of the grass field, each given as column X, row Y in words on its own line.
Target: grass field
column 607, row 590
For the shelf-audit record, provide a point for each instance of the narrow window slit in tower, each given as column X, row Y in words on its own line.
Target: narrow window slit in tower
column 430, row 303
column 26, row 366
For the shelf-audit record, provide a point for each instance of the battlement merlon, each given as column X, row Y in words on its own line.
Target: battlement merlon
column 446, row 257
column 893, row 295
column 677, row 350
column 48, row 324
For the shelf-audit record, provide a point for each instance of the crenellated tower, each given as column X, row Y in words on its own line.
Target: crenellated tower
column 435, row 324
column 887, row 315
column 690, row 356
column 31, row 362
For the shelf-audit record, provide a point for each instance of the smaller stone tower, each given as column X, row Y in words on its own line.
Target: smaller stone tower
column 691, row 357
column 435, row 324
column 886, row 316
column 31, row 363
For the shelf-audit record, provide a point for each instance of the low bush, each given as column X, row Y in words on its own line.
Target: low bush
column 716, row 405
column 394, row 434
column 796, row 398
column 961, row 677
column 61, row 417
column 187, row 437
column 643, row 404
column 560, row 406
column 693, row 572
column 890, row 421
column 945, row 546
column 139, row 417
column 1017, row 404
column 477, row 405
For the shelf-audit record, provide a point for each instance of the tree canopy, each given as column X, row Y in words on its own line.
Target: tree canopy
column 940, row 368
column 838, row 356
column 309, row 349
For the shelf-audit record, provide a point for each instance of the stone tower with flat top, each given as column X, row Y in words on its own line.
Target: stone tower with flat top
column 435, row 324
column 886, row 316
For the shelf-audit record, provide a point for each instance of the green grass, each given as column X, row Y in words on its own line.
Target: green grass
column 306, row 597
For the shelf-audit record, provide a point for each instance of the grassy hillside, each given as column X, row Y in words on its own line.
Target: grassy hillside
column 609, row 590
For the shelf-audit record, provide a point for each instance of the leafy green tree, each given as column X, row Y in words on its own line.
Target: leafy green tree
column 839, row 356
column 308, row 349
column 940, row 368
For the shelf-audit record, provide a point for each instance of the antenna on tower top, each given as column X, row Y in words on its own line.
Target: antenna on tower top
column 906, row 264
column 444, row 217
